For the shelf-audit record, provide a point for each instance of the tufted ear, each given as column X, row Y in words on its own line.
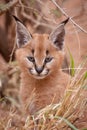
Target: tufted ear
column 57, row 36
column 22, row 34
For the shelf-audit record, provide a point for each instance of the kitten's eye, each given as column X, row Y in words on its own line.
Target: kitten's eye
column 30, row 58
column 48, row 59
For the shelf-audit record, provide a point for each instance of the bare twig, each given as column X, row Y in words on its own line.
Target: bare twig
column 5, row 7
column 30, row 8
column 74, row 68
column 35, row 21
column 66, row 15
column 78, row 39
column 39, row 13
column 13, row 50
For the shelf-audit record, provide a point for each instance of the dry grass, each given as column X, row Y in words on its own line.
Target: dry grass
column 70, row 113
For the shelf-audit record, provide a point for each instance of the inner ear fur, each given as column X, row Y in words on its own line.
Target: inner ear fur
column 57, row 36
column 23, row 36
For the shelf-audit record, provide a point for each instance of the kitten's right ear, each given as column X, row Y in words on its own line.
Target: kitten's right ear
column 57, row 36
column 22, row 34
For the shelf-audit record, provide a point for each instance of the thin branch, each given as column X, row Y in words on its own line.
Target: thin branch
column 39, row 13
column 13, row 50
column 24, row 6
column 5, row 7
column 66, row 15
column 78, row 39
column 74, row 68
column 35, row 21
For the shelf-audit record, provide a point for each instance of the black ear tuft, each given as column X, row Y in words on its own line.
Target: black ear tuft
column 16, row 19
column 65, row 21
column 22, row 34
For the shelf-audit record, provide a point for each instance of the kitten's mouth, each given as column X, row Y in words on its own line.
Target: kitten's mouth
column 39, row 76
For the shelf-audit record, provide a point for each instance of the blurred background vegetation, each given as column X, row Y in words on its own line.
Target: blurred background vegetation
column 39, row 16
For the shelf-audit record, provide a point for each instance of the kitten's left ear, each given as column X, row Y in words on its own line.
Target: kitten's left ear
column 57, row 36
column 22, row 34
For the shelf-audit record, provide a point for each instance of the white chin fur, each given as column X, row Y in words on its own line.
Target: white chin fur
column 41, row 76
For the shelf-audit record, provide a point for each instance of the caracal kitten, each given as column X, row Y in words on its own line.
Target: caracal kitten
column 40, row 58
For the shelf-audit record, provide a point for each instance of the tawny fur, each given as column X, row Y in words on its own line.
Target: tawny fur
column 37, row 93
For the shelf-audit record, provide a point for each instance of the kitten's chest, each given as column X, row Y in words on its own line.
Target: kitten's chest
column 46, row 96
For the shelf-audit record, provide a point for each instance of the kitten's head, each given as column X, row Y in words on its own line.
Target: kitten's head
column 40, row 54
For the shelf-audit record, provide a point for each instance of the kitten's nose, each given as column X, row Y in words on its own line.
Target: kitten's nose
column 39, row 69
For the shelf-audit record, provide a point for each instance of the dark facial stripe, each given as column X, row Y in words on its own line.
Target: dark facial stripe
column 32, row 51
column 47, row 52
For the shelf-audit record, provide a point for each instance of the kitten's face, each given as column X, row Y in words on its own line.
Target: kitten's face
column 40, row 54
column 40, row 58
